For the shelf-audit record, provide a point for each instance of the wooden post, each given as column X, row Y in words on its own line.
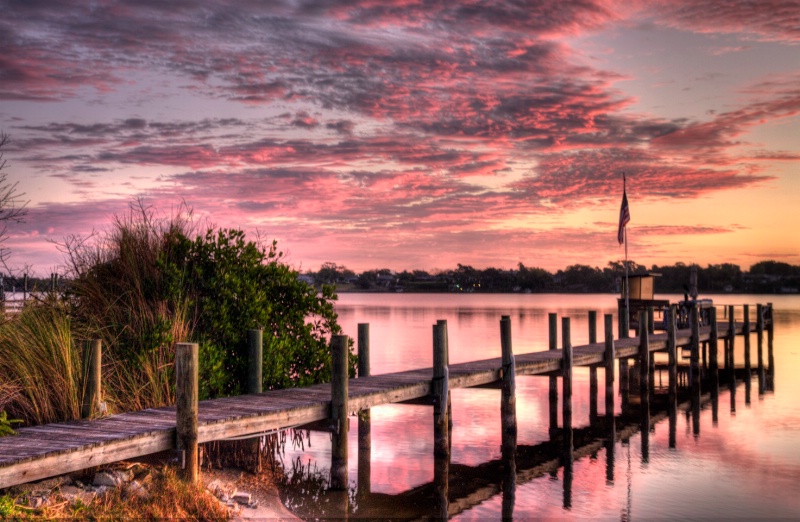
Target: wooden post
column 592, row 370
column 623, row 321
column 609, row 358
column 508, row 403
column 339, row 381
column 186, row 392
column 713, row 348
column 24, row 287
column 93, row 355
column 731, row 347
column 552, row 323
column 760, row 348
column 611, row 427
column 255, row 367
column 254, row 383
column 644, row 382
column 364, row 416
column 441, row 393
column 508, row 418
column 672, row 354
column 566, row 372
column 695, row 365
column 747, row 368
column 651, row 323
column 770, row 336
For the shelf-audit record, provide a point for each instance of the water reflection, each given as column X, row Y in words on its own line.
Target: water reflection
column 701, row 466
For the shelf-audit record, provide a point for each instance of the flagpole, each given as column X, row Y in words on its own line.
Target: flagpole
column 627, row 288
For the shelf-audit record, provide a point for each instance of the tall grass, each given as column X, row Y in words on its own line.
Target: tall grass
column 41, row 368
column 123, row 292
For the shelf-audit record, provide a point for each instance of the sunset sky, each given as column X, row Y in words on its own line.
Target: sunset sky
column 412, row 134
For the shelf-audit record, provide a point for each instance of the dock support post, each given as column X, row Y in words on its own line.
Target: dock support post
column 592, row 370
column 441, row 419
column 770, row 314
column 186, row 397
column 93, row 355
column 731, row 357
column 695, row 368
column 364, row 417
column 760, row 348
column 747, row 367
column 255, row 352
column 609, row 359
column 254, row 384
column 623, row 321
column 566, row 413
column 713, row 348
column 644, row 382
column 339, row 378
column 651, row 330
column 672, row 354
column 611, row 427
column 552, row 323
column 508, row 418
column 440, row 388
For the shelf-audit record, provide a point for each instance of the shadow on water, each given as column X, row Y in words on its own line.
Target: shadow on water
column 456, row 488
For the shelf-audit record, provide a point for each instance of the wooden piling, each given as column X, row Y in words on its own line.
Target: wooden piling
column 644, row 382
column 339, row 381
column 24, row 287
column 592, row 370
column 441, row 393
column 186, row 395
column 508, row 416
column 760, row 348
column 508, row 402
column 695, row 366
column 747, row 367
column 770, row 316
column 672, row 355
column 731, row 357
column 609, row 358
column 255, row 369
column 713, row 348
column 552, row 323
column 364, row 416
column 611, row 428
column 93, row 353
column 623, row 322
column 566, row 372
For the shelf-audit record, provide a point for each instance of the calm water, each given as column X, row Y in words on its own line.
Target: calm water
column 746, row 464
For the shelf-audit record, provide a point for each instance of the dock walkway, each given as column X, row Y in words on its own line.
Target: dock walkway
column 54, row 449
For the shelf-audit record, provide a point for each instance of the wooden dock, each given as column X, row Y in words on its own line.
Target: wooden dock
column 54, row 449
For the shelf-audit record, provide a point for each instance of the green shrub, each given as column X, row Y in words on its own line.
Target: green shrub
column 149, row 283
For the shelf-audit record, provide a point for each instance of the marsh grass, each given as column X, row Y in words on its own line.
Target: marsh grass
column 124, row 294
column 41, row 368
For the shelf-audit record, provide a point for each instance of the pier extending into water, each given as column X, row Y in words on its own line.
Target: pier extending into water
column 43, row 451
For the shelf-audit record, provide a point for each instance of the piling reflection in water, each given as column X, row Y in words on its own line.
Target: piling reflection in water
column 460, row 486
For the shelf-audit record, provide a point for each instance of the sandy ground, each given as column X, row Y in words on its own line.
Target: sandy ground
column 261, row 487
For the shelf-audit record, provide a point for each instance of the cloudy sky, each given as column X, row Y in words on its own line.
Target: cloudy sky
column 412, row 134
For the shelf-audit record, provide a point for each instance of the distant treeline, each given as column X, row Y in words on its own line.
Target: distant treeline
column 765, row 277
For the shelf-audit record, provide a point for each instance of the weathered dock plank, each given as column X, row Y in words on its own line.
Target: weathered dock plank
column 44, row 451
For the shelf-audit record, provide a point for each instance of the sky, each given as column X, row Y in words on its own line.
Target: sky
column 411, row 134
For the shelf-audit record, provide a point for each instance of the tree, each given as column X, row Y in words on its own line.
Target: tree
column 12, row 207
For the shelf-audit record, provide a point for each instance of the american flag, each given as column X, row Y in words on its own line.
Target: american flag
column 624, row 214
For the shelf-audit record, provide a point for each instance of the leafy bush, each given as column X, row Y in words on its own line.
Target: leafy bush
column 235, row 285
column 150, row 282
